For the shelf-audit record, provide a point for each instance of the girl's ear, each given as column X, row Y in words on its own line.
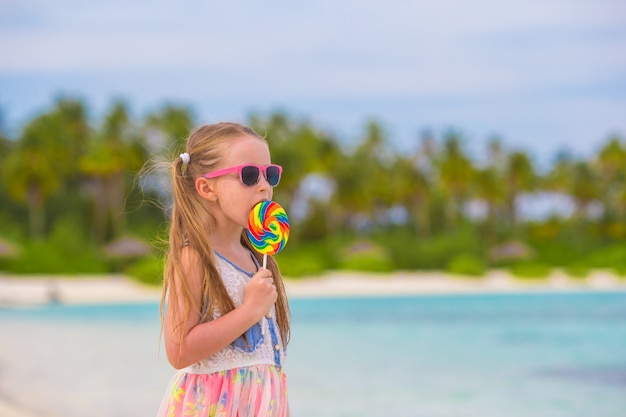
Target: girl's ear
column 204, row 187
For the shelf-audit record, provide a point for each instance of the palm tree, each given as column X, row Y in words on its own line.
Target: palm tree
column 410, row 188
column 489, row 188
column 364, row 179
column 611, row 167
column 73, row 133
column 33, row 170
column 456, row 173
column 519, row 177
column 43, row 161
column 349, row 196
column 375, row 155
column 115, row 152
column 300, row 148
column 584, row 188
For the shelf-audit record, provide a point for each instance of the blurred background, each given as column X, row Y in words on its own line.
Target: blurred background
column 453, row 136
column 467, row 137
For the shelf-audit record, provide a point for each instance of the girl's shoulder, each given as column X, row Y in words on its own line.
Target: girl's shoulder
column 190, row 257
column 225, row 263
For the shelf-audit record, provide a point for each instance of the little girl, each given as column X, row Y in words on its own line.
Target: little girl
column 226, row 319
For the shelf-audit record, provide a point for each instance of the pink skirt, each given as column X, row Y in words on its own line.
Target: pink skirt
column 255, row 391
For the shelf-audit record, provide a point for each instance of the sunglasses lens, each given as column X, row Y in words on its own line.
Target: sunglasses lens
column 273, row 175
column 250, row 175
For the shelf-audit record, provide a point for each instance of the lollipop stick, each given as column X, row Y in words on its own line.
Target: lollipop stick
column 265, row 261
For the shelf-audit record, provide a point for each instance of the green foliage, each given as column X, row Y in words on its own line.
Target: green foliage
column 366, row 256
column 610, row 256
column 45, row 257
column 435, row 253
column 401, row 245
column 67, row 182
column 562, row 244
column 65, row 251
column 301, row 263
column 315, row 227
column 467, row 264
column 148, row 270
column 367, row 263
column 530, row 269
column 556, row 253
column 578, row 259
column 309, row 259
column 577, row 270
column 410, row 252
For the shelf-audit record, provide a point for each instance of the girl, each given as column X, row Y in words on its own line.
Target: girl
column 226, row 320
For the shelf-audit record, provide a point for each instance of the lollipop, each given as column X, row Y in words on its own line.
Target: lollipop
column 268, row 228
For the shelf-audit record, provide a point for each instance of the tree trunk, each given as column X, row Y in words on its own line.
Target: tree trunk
column 35, row 212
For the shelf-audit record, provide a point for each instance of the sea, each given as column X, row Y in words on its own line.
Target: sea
column 534, row 354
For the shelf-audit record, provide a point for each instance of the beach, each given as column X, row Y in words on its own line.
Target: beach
column 85, row 289
column 109, row 289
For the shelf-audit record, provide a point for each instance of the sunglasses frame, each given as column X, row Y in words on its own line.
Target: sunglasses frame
column 239, row 169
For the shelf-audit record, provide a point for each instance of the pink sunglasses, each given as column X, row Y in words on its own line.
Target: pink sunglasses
column 249, row 174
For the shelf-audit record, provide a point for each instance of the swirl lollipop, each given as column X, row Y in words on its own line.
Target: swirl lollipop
column 268, row 228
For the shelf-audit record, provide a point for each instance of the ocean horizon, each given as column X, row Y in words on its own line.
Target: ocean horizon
column 540, row 354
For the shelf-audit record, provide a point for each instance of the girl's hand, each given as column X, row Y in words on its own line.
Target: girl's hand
column 260, row 293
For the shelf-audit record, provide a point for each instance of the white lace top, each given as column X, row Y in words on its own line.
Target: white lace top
column 262, row 345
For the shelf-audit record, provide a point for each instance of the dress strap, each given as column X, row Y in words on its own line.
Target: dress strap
column 258, row 265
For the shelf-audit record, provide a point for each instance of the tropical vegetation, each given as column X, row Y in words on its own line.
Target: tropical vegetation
column 73, row 189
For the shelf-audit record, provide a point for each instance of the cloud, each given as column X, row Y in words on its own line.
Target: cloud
column 536, row 71
column 354, row 36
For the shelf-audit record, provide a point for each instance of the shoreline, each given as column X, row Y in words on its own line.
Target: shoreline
column 359, row 284
column 32, row 290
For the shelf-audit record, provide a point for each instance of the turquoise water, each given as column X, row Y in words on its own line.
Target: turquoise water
column 540, row 355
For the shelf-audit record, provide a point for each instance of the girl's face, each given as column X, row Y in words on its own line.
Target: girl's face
column 234, row 199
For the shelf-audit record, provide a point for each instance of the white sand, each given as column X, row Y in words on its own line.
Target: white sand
column 416, row 283
column 39, row 289
column 81, row 289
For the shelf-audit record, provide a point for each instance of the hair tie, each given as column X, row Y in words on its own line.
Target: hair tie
column 185, row 157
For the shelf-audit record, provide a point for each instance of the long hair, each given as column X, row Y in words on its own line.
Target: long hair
column 190, row 221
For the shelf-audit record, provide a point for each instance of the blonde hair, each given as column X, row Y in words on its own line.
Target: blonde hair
column 206, row 147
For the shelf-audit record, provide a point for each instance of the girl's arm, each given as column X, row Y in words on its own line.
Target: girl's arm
column 201, row 340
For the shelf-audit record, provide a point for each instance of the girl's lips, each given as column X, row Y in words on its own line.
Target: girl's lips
column 255, row 204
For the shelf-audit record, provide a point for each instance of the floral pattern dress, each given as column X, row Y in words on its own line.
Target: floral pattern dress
column 245, row 379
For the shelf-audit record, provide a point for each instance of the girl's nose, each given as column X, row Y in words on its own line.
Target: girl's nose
column 263, row 180
column 264, row 187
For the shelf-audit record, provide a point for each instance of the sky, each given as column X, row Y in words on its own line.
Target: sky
column 545, row 76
